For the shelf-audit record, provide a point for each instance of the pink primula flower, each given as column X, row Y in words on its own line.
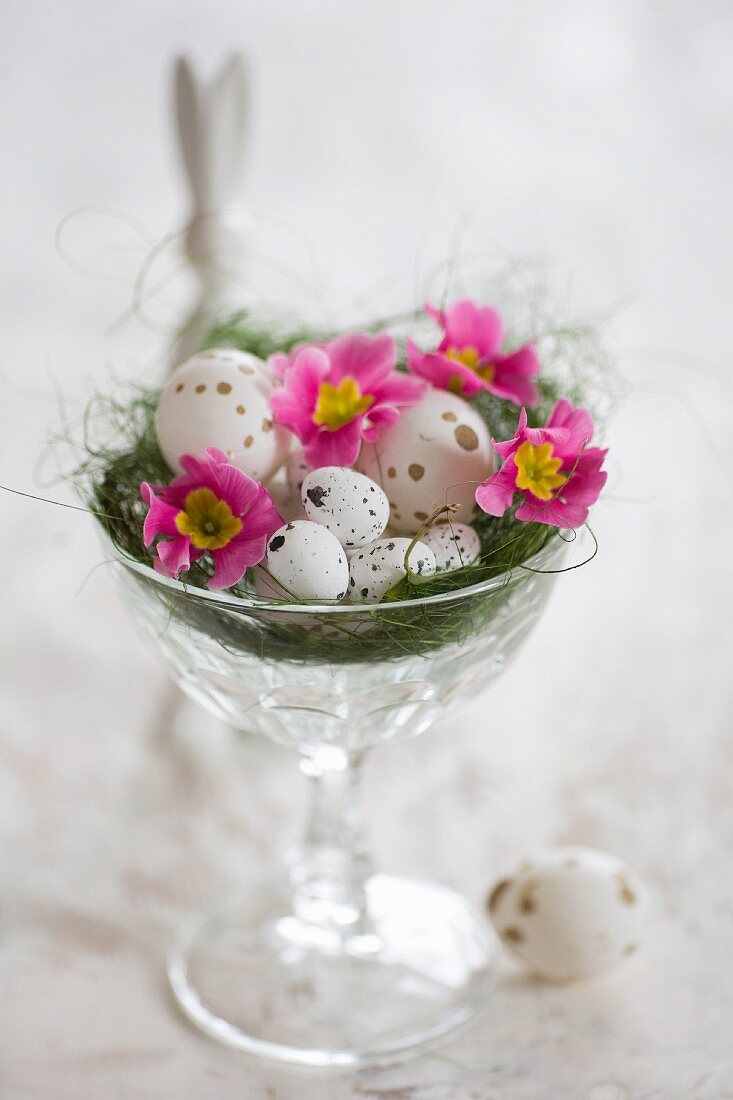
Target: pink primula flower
column 213, row 508
column 469, row 359
column 552, row 469
column 336, row 394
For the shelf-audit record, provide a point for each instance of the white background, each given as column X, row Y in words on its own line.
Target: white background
column 595, row 136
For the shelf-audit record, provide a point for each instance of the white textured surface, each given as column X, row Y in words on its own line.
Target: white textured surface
column 597, row 134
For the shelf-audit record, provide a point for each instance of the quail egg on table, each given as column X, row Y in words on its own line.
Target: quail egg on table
column 454, row 545
column 308, row 561
column 219, row 398
column 376, row 568
column 437, row 453
column 570, row 913
column 348, row 503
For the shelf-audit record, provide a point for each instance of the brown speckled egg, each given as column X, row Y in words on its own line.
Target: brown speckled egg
column 570, row 913
column 219, row 398
column 437, row 453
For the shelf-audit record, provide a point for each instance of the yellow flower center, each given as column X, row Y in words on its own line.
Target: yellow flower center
column 338, row 405
column 468, row 357
column 207, row 521
column 537, row 469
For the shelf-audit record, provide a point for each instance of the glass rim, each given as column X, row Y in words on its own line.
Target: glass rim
column 554, row 546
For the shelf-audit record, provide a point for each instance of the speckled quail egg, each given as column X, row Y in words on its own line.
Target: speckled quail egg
column 348, row 503
column 570, row 913
column 308, row 561
column 453, row 544
column 219, row 398
column 377, row 568
column 435, row 454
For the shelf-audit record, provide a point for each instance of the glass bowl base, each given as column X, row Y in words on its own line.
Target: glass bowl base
column 257, row 977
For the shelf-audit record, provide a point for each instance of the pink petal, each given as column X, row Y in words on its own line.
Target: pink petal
column 161, row 517
column 368, row 359
column 294, row 403
column 289, row 411
column 509, row 446
column 310, row 367
column 339, row 448
column 399, row 389
column 279, row 363
column 469, row 325
column 235, row 487
column 577, row 423
column 196, row 468
column 557, row 436
column 442, row 373
column 174, row 556
column 513, row 376
column 232, row 561
column 438, row 315
column 377, row 419
column 215, row 473
column 216, row 457
column 552, row 512
column 586, row 481
column 263, row 517
column 495, row 495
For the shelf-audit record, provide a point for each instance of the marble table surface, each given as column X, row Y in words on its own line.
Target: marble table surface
column 121, row 806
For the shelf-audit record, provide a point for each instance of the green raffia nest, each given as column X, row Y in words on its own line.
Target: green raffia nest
column 121, row 451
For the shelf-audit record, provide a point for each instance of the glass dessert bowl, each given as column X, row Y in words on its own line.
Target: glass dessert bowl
column 334, row 964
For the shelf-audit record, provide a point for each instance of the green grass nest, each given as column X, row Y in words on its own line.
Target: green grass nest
column 120, row 451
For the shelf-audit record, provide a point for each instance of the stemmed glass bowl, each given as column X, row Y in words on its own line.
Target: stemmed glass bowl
column 332, row 963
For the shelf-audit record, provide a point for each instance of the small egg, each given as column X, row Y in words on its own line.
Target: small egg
column 308, row 561
column 570, row 913
column 377, row 568
column 437, row 453
column 219, row 398
column 453, row 544
column 350, row 505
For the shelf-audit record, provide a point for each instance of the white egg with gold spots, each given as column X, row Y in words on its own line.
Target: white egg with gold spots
column 219, row 398
column 570, row 913
column 437, row 453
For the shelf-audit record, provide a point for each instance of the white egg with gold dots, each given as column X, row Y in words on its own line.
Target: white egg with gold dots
column 437, row 453
column 219, row 398
column 570, row 913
